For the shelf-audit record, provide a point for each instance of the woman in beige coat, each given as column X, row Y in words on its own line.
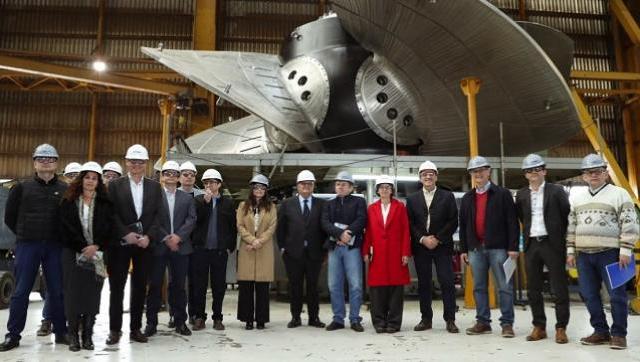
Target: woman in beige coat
column 256, row 218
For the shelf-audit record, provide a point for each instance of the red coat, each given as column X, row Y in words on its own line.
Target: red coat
column 388, row 244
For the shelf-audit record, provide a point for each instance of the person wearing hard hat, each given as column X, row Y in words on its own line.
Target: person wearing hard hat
column 603, row 228
column 489, row 234
column 300, row 239
column 71, row 171
column 173, row 232
column 387, row 249
column 86, row 216
column 543, row 209
column 188, row 173
column 137, row 203
column 256, row 220
column 32, row 214
column 214, row 238
column 344, row 219
column 111, row 171
column 433, row 218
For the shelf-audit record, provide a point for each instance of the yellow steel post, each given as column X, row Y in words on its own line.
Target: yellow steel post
column 204, row 38
column 93, row 128
column 166, row 106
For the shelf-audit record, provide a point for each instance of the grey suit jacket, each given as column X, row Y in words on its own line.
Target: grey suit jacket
column 184, row 220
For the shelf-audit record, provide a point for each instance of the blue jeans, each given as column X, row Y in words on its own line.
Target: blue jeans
column 29, row 256
column 344, row 262
column 591, row 274
column 481, row 261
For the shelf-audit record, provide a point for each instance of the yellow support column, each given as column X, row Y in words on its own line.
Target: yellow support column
column 166, row 107
column 93, row 128
column 204, row 38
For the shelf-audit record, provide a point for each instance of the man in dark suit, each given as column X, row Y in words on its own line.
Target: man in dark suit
column 137, row 203
column 543, row 210
column 300, row 238
column 173, row 233
column 214, row 238
column 433, row 218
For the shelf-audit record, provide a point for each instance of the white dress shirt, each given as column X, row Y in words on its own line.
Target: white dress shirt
column 137, row 190
column 537, row 212
column 385, row 211
column 428, row 198
column 171, row 200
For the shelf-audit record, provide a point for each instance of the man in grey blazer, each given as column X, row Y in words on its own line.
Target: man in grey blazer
column 173, row 232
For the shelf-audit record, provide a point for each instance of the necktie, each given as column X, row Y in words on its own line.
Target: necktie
column 305, row 210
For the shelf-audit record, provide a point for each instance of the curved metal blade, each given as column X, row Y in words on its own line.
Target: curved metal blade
column 242, row 136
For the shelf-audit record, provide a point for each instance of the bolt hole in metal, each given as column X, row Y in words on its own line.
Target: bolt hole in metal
column 302, row 81
column 407, row 121
column 382, row 97
column 292, row 75
column 382, row 80
column 392, row 113
column 305, row 96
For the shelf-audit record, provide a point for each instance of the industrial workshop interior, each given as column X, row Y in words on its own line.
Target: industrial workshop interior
column 319, row 180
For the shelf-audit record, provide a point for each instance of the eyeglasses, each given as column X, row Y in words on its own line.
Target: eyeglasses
column 170, row 173
column 188, row 174
column 137, row 162
column 210, row 182
column 385, row 187
column 46, row 159
column 428, row 174
column 305, row 183
column 259, row 187
column 535, row 169
column 594, row 171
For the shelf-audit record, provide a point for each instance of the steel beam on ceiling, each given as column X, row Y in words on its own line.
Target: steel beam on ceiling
column 87, row 76
column 622, row 76
column 622, row 13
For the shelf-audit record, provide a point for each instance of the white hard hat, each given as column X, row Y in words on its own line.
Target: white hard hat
column 428, row 165
column 384, row 179
column 188, row 166
column 592, row 160
column 137, row 152
column 45, row 150
column 72, row 167
column 305, row 175
column 477, row 162
column 259, row 179
column 112, row 166
column 91, row 166
column 344, row 176
column 171, row 165
column 211, row 174
column 532, row 161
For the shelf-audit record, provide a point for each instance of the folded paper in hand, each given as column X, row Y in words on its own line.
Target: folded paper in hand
column 618, row 275
column 509, row 267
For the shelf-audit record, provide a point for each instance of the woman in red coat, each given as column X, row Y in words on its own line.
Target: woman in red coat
column 387, row 248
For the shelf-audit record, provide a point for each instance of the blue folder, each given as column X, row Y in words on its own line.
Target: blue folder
column 619, row 276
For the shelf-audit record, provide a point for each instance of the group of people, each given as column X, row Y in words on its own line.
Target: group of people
column 105, row 223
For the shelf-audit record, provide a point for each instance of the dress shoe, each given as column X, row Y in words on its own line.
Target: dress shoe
column 537, row 334
column 114, row 338
column 479, row 328
column 334, row 326
column 172, row 322
column 62, row 338
column 316, row 322
column 595, row 339
column 260, row 325
column 150, row 331
column 356, row 326
column 422, row 326
column 452, row 328
column 295, row 322
column 198, row 325
column 561, row 336
column 45, row 328
column 618, row 342
column 9, row 344
column 392, row 330
column 137, row 336
column 248, row 326
column 380, row 329
column 218, row 326
column 183, row 330
column 507, row 331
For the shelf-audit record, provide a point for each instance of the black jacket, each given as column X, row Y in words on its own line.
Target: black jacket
column 292, row 230
column 349, row 210
column 72, row 236
column 501, row 222
column 555, row 206
column 443, row 220
column 32, row 209
column 227, row 227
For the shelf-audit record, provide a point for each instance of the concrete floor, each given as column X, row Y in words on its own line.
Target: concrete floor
column 277, row 343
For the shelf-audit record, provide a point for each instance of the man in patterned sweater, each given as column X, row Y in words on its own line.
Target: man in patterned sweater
column 603, row 227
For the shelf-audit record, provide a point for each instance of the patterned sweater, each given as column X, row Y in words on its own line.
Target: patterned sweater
column 606, row 220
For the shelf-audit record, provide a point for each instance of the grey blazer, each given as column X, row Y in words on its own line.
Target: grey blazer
column 184, row 220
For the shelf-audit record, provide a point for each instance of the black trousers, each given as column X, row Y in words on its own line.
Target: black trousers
column 553, row 255
column 178, row 266
column 253, row 301
column 209, row 266
column 386, row 306
column 190, row 281
column 118, row 268
column 299, row 271
column 444, row 272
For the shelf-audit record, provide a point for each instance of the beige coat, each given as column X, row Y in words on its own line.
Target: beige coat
column 256, row 265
